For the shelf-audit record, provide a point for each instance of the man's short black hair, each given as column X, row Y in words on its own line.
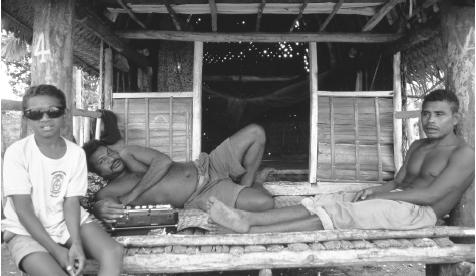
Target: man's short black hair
column 441, row 95
column 90, row 148
column 44, row 90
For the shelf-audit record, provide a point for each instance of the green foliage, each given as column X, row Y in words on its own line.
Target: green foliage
column 16, row 56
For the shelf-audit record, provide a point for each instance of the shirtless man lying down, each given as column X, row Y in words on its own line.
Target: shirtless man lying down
column 435, row 173
column 142, row 176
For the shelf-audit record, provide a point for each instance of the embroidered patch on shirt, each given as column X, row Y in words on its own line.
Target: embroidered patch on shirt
column 56, row 183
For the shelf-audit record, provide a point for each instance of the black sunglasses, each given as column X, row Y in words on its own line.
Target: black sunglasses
column 52, row 112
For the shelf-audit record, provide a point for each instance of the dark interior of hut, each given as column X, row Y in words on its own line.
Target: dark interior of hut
column 268, row 83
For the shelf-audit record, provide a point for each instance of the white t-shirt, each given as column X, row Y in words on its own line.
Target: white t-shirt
column 27, row 171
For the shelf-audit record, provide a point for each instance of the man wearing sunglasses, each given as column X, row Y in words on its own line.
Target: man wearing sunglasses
column 44, row 176
column 141, row 176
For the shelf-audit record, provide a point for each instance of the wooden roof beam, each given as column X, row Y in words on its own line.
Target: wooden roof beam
column 331, row 15
column 380, row 15
column 213, row 13
column 173, row 16
column 301, row 10
column 260, row 14
column 366, row 8
column 261, row 37
column 131, row 14
column 92, row 22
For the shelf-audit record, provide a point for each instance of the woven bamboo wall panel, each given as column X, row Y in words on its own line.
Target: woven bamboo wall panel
column 164, row 124
column 355, row 143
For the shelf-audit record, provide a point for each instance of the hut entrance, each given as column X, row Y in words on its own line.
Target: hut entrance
column 263, row 83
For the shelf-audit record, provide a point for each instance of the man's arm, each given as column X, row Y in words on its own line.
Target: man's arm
column 391, row 185
column 26, row 215
column 72, row 218
column 158, row 165
column 453, row 178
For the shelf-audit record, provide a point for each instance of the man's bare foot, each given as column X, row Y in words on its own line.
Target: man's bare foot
column 216, row 229
column 227, row 217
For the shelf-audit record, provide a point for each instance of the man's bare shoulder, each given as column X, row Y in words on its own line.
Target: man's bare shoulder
column 463, row 152
column 417, row 144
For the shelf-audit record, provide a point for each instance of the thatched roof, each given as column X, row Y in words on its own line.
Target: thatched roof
column 17, row 16
column 365, row 24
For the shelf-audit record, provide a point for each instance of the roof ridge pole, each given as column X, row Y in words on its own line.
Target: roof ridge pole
column 52, row 50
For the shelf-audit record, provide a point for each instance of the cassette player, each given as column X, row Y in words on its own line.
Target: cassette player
column 146, row 217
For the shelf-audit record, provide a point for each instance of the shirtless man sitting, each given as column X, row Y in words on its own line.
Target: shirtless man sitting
column 436, row 172
column 142, row 176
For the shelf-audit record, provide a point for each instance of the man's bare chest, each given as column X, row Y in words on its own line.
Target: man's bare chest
column 428, row 162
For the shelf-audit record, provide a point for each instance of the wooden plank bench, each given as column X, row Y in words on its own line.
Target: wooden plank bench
column 193, row 250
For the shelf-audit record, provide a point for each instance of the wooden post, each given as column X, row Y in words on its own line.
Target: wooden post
column 78, row 121
column 108, row 78
column 397, row 106
column 197, row 100
column 313, row 141
column 52, row 50
column 458, row 35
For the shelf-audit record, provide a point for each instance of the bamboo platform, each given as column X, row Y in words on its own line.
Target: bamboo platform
column 193, row 250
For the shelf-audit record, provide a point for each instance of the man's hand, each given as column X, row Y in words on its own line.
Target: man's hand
column 61, row 255
column 76, row 259
column 126, row 199
column 108, row 210
column 365, row 194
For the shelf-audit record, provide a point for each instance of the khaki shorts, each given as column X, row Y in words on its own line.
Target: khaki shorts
column 21, row 246
column 371, row 214
column 214, row 172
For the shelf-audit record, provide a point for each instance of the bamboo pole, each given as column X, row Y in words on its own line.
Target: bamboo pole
column 293, row 237
column 126, row 120
column 197, row 100
column 171, row 128
column 131, row 14
column 180, row 263
column 213, row 13
column 299, row 16
column 147, row 123
column 397, row 107
column 261, row 37
column 173, row 15
column 380, row 15
column 314, row 105
column 336, row 8
column 366, row 94
column 333, row 141
column 357, row 141
column 79, row 127
column 108, row 78
column 367, row 8
column 259, row 15
column 379, row 149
